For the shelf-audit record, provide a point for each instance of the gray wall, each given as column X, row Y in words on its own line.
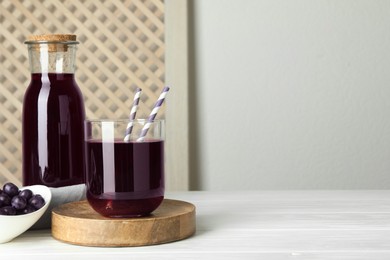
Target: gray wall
column 290, row 94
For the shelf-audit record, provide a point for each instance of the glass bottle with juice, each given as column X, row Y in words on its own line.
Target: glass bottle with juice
column 53, row 114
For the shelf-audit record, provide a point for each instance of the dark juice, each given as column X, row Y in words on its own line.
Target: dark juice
column 53, row 131
column 125, row 179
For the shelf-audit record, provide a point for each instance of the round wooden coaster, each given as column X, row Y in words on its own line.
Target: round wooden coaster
column 77, row 223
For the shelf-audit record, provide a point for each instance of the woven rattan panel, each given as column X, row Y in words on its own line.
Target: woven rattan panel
column 121, row 48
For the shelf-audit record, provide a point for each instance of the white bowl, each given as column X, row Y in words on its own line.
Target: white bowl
column 13, row 226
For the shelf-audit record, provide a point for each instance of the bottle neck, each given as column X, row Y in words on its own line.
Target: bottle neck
column 52, row 58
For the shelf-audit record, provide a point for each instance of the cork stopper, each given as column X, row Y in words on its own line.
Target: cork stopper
column 54, row 42
column 52, row 37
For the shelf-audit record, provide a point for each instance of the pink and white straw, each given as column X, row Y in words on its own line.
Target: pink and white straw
column 133, row 112
column 153, row 114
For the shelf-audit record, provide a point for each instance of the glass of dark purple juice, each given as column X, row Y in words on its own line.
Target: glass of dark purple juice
column 124, row 175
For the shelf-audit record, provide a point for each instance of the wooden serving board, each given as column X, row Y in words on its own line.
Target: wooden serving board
column 77, row 223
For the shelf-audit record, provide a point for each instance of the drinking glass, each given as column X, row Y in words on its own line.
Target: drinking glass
column 124, row 170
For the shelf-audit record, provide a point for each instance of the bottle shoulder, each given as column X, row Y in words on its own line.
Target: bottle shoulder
column 53, row 81
column 50, row 87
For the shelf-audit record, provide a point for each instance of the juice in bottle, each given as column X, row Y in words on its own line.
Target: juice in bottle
column 53, row 114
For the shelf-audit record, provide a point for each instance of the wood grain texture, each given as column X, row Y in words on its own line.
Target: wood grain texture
column 77, row 223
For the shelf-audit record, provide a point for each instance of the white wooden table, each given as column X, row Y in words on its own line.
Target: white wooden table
column 251, row 225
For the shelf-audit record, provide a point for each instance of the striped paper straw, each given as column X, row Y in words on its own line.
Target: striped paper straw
column 153, row 114
column 133, row 112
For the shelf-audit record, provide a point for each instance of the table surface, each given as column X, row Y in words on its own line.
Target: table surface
column 252, row 225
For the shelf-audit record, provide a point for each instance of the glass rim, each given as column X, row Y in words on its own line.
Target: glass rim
column 51, row 42
column 124, row 120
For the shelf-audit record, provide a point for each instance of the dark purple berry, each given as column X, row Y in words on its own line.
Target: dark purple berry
column 26, row 194
column 18, row 202
column 37, row 201
column 11, row 189
column 7, row 210
column 28, row 209
column 5, row 200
